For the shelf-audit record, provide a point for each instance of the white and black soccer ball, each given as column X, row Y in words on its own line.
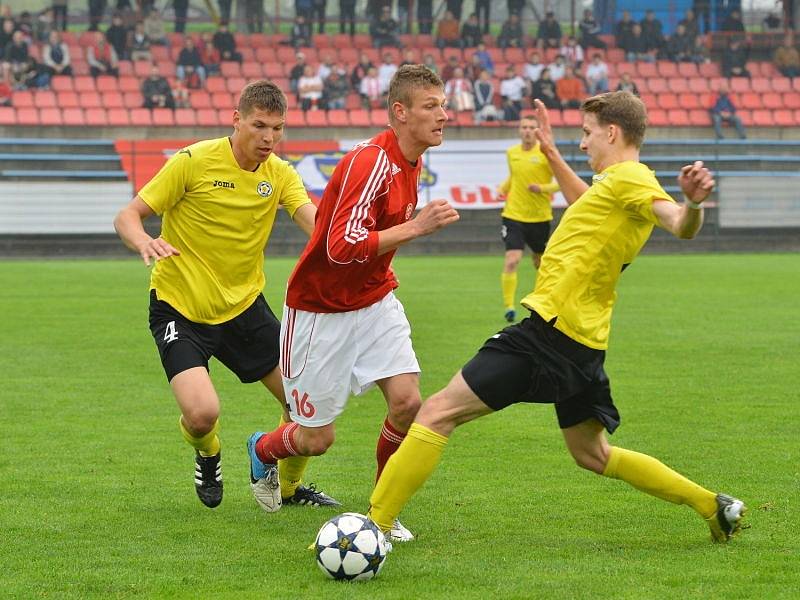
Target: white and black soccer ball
column 350, row 547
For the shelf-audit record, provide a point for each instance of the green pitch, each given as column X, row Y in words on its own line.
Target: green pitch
column 96, row 494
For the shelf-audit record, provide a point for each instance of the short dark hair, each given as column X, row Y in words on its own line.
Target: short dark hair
column 406, row 79
column 264, row 95
column 622, row 109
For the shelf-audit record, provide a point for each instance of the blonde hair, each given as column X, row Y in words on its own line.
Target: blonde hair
column 407, row 79
column 622, row 109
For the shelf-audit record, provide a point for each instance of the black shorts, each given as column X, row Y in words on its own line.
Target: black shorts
column 533, row 361
column 248, row 344
column 516, row 234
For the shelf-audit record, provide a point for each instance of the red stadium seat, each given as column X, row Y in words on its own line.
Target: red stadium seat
column 199, row 99
column 125, row 68
column 678, row 85
column 656, row 85
column 362, row 40
column 112, row 100
column 129, row 84
column 657, row 118
column 746, row 116
column 207, row 117
column 687, row 70
column 646, row 69
column 795, row 84
column 73, row 117
column 740, row 84
column 699, row 118
column 760, row 85
column 96, row 117
column 141, row 69
column 689, row 101
column 750, row 101
column 216, row 84
column 791, row 100
column 769, row 70
column 235, row 84
column 50, row 117
column 465, row 119
column 783, row 118
column 8, row 115
column 68, row 100
column 248, row 54
column 221, row 100
column 225, row 117
column 185, row 117
column 349, row 56
column 316, row 118
column 338, row 118
column 797, row 117
column 295, row 118
column 514, row 55
column 45, row 99
column 668, row 101
column 709, row 69
column 106, row 83
column 359, row 118
column 141, row 117
column 274, row 70
column 90, row 100
column 763, row 118
column 378, row 118
column 252, row 70
column 259, row 40
column 265, row 55
column 572, row 118
column 84, row 84
column 27, row 116
column 119, row 117
column 781, row 84
column 667, row 68
column 230, row 69
column 341, row 40
column 132, row 100
column 286, row 54
column 80, row 68
column 678, row 117
column 163, row 117
column 61, row 83
column 650, row 100
column 23, row 99
column 698, row 85
column 772, row 101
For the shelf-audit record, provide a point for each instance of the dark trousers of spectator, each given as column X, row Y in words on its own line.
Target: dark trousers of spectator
column 425, row 16
column 318, row 13
column 224, row 10
column 790, row 72
column 169, row 102
column 96, row 10
column 59, row 17
column 181, row 10
column 255, row 16
column 482, row 8
column 95, row 72
column 347, row 16
column 718, row 120
column 65, row 71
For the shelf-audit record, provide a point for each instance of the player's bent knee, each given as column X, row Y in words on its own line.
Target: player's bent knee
column 589, row 461
column 315, row 441
column 199, row 422
column 403, row 410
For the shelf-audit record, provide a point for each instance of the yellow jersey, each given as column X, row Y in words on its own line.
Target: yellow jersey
column 526, row 167
column 598, row 236
column 219, row 217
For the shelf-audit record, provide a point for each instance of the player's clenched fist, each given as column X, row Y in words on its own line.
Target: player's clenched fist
column 696, row 181
column 435, row 215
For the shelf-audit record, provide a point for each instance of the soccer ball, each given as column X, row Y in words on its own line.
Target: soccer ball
column 350, row 547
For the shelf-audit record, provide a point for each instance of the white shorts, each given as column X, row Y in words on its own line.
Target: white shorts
column 327, row 356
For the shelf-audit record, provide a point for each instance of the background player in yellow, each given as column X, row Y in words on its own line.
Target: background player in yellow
column 527, row 212
column 556, row 355
column 218, row 200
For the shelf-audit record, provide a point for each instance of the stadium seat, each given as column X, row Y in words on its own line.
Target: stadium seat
column 61, row 83
column 221, row 100
column 260, row 40
column 359, row 118
column 68, row 100
column 338, row 118
column 132, row 99
column 291, row 100
column 166, row 70
column 615, row 55
column 763, row 118
column 465, row 119
column 746, row 116
column 321, row 40
column 248, row 54
column 668, row 101
column 678, row 117
column 740, row 84
column 230, row 69
column 572, row 118
column 769, row 70
column 316, row 118
column 80, row 68
column 185, row 117
column 795, row 84
column 73, row 117
column 378, row 118
column 141, row 69
column 760, row 85
column 772, row 101
column 129, row 84
column 141, row 117
column 362, row 40
column 667, row 68
column 163, row 117
column 708, row 69
column 750, row 101
column 657, row 117
column 125, row 68
column 199, row 99
column 216, row 84
column 781, row 84
column 687, row 70
column 27, row 116
column 235, row 84
column 96, row 117
column 349, row 56
column 286, row 55
column 797, row 117
column 689, row 101
column 252, row 70
column 783, row 118
column 225, row 117
column 8, row 115
column 791, row 100
column 106, row 83
column 118, row 117
column 656, row 85
column 699, row 118
column 295, row 118
column 44, row 99
column 112, row 100
column 90, row 99
column 207, row 117
column 50, row 117
column 698, row 85
column 265, row 55
column 514, row 55
column 679, row 85
column 650, row 100
column 84, row 84
column 646, row 69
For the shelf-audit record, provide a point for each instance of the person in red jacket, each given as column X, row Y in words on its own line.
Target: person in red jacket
column 343, row 329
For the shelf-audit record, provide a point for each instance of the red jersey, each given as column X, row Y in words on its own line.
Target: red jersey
column 372, row 189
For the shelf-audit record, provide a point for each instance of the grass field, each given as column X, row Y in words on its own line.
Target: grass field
column 96, row 497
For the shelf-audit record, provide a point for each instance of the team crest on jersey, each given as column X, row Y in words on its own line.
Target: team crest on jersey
column 598, row 178
column 409, row 210
column 264, row 189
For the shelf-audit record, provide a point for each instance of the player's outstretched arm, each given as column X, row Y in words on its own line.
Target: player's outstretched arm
column 129, row 226
column 571, row 185
column 685, row 220
column 304, row 218
column 434, row 216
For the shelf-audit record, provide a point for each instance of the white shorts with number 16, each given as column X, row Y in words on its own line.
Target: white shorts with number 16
column 327, row 356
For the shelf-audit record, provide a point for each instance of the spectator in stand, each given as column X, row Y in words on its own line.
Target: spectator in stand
column 102, row 57
column 512, row 90
column 303, row 7
column 772, row 22
column 60, row 14
column 55, row 55
column 723, row 111
column 458, row 92
column 597, row 75
column 224, row 10
column 425, row 16
column 483, row 90
column 626, row 84
column 471, row 34
column 515, row 7
column 347, row 16
column 33, row 75
column 787, row 58
column 403, row 16
column 652, row 32
column 370, row 90
column 318, row 10
column 254, row 16
column 387, row 70
column 155, row 29
column 447, row 34
column 300, row 35
column 384, row 30
column 190, row 69
column 734, row 59
column 409, row 57
column 700, row 51
column 557, row 68
column 97, row 9
column 156, row 90
column 733, row 23
column 117, row 36
column 545, row 90
column 139, row 43
column 483, row 11
column 590, row 31
column 680, row 46
column 181, row 11
column 335, row 90
column 570, row 89
column 6, row 34
column 6, row 93
column 455, row 7
column 449, row 69
column 485, row 58
column 638, row 47
column 474, row 69
column 297, row 71
column 572, row 53
column 210, row 56
column 360, row 70
column 226, row 44
column 326, row 66
column 549, row 34
column 702, row 8
column 15, row 60
column 533, row 68
column 511, row 33
column 44, row 25
column 623, row 31
column 309, row 89
column 690, row 25
column 429, row 61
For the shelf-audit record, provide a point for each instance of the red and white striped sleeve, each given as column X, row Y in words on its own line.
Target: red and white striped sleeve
column 351, row 233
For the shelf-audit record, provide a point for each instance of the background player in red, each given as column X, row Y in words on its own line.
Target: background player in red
column 343, row 329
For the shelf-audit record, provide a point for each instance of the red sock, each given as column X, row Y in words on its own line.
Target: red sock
column 388, row 442
column 278, row 444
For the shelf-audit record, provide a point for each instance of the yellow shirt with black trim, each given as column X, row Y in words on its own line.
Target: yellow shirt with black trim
column 526, row 167
column 219, row 217
column 598, row 236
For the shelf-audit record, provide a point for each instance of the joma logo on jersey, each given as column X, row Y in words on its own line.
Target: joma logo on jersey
column 224, row 184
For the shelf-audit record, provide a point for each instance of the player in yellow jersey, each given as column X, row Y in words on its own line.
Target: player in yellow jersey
column 218, row 200
column 556, row 355
column 527, row 212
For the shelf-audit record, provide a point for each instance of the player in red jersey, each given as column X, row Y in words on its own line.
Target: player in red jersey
column 343, row 330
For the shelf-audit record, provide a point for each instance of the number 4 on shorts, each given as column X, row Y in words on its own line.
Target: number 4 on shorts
column 170, row 335
column 303, row 405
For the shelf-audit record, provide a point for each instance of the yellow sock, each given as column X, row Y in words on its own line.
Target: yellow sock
column 508, row 283
column 290, row 470
column 653, row 477
column 405, row 472
column 206, row 445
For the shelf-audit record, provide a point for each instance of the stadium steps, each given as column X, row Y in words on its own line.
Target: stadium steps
column 59, row 160
column 55, row 146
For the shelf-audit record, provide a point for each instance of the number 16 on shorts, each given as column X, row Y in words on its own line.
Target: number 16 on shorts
column 302, row 404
